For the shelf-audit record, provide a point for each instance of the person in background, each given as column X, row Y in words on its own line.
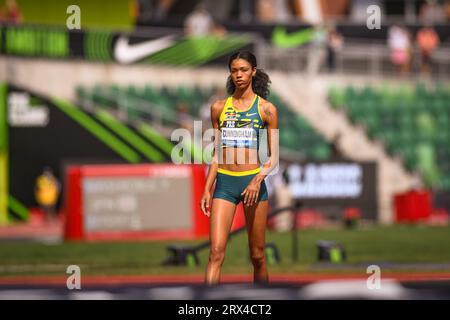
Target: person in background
column 317, row 50
column 335, row 149
column 199, row 23
column 399, row 43
column 134, row 8
column 10, row 13
column 46, row 192
column 432, row 12
column 447, row 9
column 162, row 9
column 273, row 11
column 334, row 44
column 427, row 40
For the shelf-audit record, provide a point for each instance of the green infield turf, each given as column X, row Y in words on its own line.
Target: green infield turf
column 395, row 248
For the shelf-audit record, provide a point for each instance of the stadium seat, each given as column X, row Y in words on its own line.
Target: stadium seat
column 297, row 134
column 413, row 122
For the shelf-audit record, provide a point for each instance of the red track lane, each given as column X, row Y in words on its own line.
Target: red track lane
column 198, row 279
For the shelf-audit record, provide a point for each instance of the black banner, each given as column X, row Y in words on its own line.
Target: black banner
column 340, row 183
column 159, row 46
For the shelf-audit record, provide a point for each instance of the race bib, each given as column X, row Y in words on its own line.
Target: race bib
column 237, row 137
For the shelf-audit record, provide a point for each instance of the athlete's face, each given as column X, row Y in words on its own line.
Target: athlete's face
column 242, row 73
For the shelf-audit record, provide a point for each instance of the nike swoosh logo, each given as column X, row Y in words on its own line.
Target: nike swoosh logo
column 250, row 114
column 294, row 39
column 239, row 125
column 126, row 53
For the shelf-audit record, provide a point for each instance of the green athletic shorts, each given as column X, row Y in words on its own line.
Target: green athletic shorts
column 229, row 186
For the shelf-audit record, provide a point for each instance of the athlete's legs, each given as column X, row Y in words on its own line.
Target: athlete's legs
column 221, row 219
column 256, row 219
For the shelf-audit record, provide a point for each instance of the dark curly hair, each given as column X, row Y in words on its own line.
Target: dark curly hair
column 261, row 80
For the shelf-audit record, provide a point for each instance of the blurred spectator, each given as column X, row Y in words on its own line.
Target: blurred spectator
column 246, row 10
column 432, row 12
column 199, row 23
column 219, row 30
column 316, row 53
column 399, row 42
column 335, row 41
column 273, row 11
column 335, row 150
column 134, row 9
column 309, row 11
column 145, row 8
column 335, row 9
column 223, row 10
column 427, row 40
column 447, row 9
column 46, row 192
column 10, row 13
column 265, row 10
column 162, row 9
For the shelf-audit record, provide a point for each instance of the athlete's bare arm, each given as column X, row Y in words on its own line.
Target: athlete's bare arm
column 216, row 109
column 270, row 116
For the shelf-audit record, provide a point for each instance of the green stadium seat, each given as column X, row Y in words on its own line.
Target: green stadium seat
column 421, row 91
column 321, row 152
column 425, row 123
column 426, row 163
column 350, row 93
column 414, row 121
column 337, row 97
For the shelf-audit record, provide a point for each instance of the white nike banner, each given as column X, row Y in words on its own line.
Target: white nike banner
column 126, row 53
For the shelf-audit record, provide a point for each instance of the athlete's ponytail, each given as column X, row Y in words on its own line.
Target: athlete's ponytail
column 260, row 81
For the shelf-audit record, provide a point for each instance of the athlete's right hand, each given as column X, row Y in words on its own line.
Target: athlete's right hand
column 204, row 203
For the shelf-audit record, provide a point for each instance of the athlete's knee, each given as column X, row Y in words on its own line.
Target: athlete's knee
column 257, row 255
column 217, row 254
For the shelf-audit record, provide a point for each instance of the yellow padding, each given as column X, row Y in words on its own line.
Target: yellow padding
column 239, row 173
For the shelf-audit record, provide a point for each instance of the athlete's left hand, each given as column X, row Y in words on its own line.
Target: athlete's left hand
column 251, row 192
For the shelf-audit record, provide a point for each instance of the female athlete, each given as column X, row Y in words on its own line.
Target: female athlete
column 238, row 122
